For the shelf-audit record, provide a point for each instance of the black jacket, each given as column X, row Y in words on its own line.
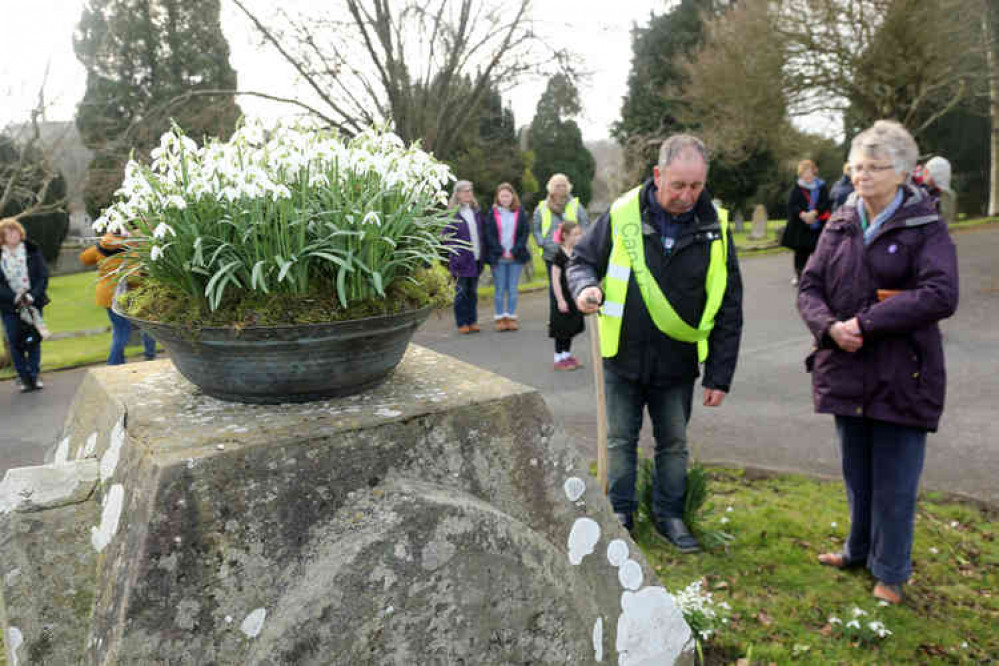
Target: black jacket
column 38, row 274
column 645, row 354
column 797, row 234
column 491, row 239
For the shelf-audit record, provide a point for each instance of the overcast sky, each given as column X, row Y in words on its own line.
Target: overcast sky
column 39, row 32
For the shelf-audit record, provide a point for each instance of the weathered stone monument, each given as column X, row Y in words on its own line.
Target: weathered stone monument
column 438, row 519
column 759, row 230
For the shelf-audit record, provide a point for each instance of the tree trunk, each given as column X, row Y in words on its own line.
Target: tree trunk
column 992, row 58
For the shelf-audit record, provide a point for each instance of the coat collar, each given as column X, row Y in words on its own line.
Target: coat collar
column 705, row 215
column 917, row 209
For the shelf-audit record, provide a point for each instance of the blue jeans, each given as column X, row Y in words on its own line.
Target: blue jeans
column 506, row 277
column 882, row 463
column 121, row 331
column 27, row 362
column 466, row 300
column 669, row 410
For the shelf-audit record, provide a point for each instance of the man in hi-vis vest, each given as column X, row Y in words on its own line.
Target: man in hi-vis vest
column 661, row 269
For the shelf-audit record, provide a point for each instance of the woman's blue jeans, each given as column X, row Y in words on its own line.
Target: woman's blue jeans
column 669, row 411
column 882, row 463
column 466, row 300
column 121, row 330
column 506, row 277
column 27, row 362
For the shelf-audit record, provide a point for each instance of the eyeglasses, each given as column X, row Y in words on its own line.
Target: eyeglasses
column 857, row 169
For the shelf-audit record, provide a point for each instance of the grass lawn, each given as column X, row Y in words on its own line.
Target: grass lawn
column 781, row 598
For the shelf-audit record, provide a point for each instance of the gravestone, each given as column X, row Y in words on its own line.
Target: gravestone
column 438, row 519
column 759, row 230
column 738, row 221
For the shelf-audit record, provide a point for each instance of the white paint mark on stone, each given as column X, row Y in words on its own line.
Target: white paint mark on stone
column 14, row 642
column 617, row 552
column 11, row 576
column 90, row 447
column 598, row 640
column 62, row 452
column 574, row 488
column 387, row 413
column 534, row 462
column 114, row 502
column 220, row 447
column 109, row 461
column 228, row 619
column 630, row 575
column 254, row 623
column 582, row 539
column 650, row 629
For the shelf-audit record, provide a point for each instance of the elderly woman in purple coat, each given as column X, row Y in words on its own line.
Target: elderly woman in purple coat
column 464, row 236
column 883, row 275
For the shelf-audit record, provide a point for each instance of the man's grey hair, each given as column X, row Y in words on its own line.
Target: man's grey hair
column 887, row 139
column 680, row 146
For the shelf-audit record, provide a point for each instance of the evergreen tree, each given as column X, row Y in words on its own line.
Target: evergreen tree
column 557, row 141
column 146, row 60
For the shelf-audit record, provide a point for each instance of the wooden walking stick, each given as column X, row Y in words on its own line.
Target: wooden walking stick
column 598, row 381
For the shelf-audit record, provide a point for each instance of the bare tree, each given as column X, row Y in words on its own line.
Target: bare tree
column 27, row 172
column 425, row 66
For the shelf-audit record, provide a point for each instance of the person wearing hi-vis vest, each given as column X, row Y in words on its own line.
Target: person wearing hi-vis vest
column 661, row 269
column 557, row 207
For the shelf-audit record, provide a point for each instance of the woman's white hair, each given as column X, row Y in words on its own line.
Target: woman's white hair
column 887, row 138
column 557, row 179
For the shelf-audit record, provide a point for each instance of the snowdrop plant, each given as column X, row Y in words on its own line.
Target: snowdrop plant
column 860, row 627
column 704, row 616
column 280, row 210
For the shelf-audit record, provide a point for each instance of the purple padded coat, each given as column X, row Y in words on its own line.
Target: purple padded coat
column 462, row 262
column 898, row 375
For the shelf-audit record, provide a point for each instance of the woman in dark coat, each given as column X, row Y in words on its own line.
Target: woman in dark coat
column 882, row 277
column 464, row 237
column 24, row 280
column 808, row 208
column 506, row 230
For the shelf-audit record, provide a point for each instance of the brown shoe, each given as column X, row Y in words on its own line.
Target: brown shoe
column 464, row 330
column 890, row 592
column 511, row 325
column 834, row 560
column 501, row 324
column 473, row 328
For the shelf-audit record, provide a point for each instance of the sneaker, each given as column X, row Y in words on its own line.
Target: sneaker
column 574, row 363
column 674, row 532
column 27, row 385
column 38, row 383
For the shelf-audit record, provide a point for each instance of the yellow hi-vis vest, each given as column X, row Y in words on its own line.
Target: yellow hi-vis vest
column 628, row 256
column 571, row 213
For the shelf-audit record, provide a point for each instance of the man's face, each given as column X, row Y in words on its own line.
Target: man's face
column 680, row 184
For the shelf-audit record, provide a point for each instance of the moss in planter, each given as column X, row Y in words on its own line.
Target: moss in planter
column 432, row 286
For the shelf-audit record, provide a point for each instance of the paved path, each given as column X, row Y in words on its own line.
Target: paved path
column 767, row 421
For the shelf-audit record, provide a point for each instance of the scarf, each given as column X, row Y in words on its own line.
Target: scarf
column 870, row 230
column 667, row 225
column 813, row 191
column 14, row 264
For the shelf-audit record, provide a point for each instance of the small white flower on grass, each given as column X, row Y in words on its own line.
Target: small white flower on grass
column 858, row 612
column 162, row 229
column 934, row 550
column 964, row 645
column 954, row 523
column 834, row 524
column 835, row 620
column 883, row 603
column 729, row 510
column 853, row 624
column 724, row 520
column 155, row 252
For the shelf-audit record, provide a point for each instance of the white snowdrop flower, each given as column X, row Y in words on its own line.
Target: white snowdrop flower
column 964, row 645
column 954, row 523
column 858, row 612
column 834, row 620
column 176, row 201
column 729, row 510
column 162, row 229
column 934, row 551
column 724, row 520
column 883, row 603
column 853, row 624
column 155, row 252
column 834, row 524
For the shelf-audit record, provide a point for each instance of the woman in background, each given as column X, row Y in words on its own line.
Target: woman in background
column 808, row 208
column 24, row 280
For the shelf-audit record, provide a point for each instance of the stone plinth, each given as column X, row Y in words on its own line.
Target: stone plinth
column 439, row 519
